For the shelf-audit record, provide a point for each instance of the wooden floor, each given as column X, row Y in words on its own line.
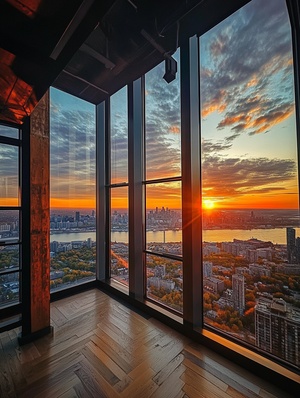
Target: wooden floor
column 101, row 348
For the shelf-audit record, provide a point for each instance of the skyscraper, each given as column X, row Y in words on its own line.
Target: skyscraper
column 290, row 243
column 77, row 216
column 238, row 292
column 277, row 329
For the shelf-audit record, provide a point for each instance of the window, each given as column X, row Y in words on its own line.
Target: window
column 251, row 273
column 163, row 246
column 118, row 187
column 10, row 208
column 73, row 194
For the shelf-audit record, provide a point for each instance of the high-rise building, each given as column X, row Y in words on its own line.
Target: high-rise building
column 297, row 250
column 290, row 243
column 54, row 246
column 238, row 292
column 207, row 269
column 277, row 329
column 77, row 216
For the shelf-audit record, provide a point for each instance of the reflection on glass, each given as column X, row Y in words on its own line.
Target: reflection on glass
column 119, row 235
column 73, row 192
column 164, row 281
column 9, row 175
column 9, row 289
column 10, row 132
column 119, row 137
column 163, row 218
column 163, row 140
column 251, row 272
column 72, row 152
column 9, row 226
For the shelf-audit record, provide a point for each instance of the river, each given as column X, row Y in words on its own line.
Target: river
column 275, row 235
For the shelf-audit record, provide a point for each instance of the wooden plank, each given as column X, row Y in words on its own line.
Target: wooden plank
column 117, row 353
column 104, row 365
column 171, row 385
column 94, row 383
column 122, row 384
column 47, row 386
column 208, row 376
column 203, row 386
column 141, row 386
column 54, row 368
column 163, row 374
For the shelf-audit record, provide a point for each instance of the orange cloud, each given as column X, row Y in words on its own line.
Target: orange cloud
column 228, row 121
column 268, row 122
column 9, row 202
column 253, row 82
column 87, row 203
column 213, row 108
column 217, row 104
column 174, row 129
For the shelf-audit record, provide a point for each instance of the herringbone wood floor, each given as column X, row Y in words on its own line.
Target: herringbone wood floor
column 100, row 348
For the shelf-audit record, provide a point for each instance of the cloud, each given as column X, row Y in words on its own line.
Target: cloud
column 246, row 69
column 209, row 146
column 9, row 180
column 163, row 158
column 233, row 177
column 72, row 151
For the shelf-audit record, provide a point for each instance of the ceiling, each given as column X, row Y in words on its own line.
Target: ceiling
column 90, row 48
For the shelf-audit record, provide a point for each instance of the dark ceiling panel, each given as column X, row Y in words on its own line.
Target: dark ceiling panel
column 133, row 37
column 91, row 48
column 37, row 39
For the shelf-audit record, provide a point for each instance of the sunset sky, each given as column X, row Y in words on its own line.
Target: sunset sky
column 247, row 125
column 72, row 152
column 248, row 116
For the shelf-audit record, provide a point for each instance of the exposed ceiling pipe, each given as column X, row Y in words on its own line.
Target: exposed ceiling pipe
column 84, row 81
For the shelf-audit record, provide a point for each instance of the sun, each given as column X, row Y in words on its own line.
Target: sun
column 208, row 204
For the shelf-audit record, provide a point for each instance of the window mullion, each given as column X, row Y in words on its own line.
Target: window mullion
column 135, row 163
column 191, row 184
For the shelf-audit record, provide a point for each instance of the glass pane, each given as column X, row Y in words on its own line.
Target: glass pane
column 119, row 137
column 164, row 218
column 9, row 226
column 73, row 191
column 72, row 153
column 119, row 235
column 9, row 289
column 163, row 139
column 72, row 259
column 9, row 175
column 249, row 161
column 9, row 258
column 164, row 281
column 9, row 132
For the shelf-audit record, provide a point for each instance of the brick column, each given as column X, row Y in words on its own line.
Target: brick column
column 36, row 202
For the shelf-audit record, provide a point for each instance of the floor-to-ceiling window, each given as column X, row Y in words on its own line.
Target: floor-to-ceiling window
column 251, row 235
column 73, row 191
column 163, row 218
column 10, row 214
column 118, row 187
column 248, row 275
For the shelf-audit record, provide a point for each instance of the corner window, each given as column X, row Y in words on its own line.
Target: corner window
column 251, row 273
